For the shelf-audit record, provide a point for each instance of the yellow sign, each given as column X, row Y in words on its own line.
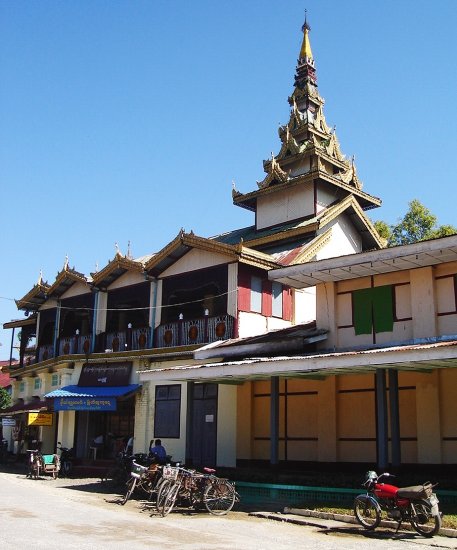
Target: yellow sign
column 40, row 419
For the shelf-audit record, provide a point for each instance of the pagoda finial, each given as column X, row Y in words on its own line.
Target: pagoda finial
column 305, row 52
column 40, row 277
column 306, row 72
column 65, row 264
column 129, row 252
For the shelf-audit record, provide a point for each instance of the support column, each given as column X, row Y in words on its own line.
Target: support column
column 382, row 458
column 274, row 421
column 395, row 443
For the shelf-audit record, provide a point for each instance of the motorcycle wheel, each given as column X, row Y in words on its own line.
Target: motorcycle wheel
column 65, row 468
column 422, row 521
column 366, row 513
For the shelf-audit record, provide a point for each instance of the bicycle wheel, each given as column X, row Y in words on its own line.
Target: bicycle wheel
column 422, row 520
column 170, row 499
column 219, row 497
column 366, row 513
column 155, row 488
column 131, row 484
column 162, row 493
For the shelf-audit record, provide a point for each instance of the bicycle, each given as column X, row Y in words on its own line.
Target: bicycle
column 216, row 494
column 35, row 463
column 146, row 478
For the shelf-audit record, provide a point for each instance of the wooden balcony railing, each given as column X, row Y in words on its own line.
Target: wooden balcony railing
column 194, row 331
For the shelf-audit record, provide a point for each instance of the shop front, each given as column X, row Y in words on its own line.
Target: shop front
column 96, row 416
column 29, row 426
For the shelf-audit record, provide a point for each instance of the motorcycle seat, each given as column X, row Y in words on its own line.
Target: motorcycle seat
column 416, row 491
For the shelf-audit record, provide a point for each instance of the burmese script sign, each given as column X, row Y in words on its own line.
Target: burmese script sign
column 105, row 374
column 40, row 419
column 85, row 404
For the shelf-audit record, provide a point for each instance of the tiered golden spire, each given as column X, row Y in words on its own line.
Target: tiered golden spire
column 305, row 52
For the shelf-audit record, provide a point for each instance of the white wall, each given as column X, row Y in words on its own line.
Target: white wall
column 76, row 289
column 345, row 239
column 195, row 259
column 288, row 205
column 304, row 305
column 127, row 279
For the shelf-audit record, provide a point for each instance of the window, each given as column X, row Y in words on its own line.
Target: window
column 373, row 309
column 256, row 294
column 55, row 380
column 167, row 411
column 276, row 296
column 37, row 383
column 21, row 387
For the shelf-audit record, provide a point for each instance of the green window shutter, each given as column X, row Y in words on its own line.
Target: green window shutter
column 362, row 311
column 383, row 318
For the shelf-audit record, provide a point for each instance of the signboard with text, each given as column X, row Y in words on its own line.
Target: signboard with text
column 8, row 421
column 85, row 404
column 105, row 374
column 40, row 419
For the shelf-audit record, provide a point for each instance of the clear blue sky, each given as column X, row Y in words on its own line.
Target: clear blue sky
column 128, row 119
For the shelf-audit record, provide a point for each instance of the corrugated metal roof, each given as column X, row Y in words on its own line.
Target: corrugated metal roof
column 102, row 391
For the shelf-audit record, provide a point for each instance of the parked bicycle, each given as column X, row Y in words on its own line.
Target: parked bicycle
column 34, row 463
column 146, row 478
column 195, row 489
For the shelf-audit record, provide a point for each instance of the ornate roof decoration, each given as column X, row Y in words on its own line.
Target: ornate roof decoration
column 35, row 297
column 350, row 175
column 180, row 245
column 332, row 147
column 65, row 279
column 320, row 122
column 359, row 218
column 115, row 269
column 274, row 175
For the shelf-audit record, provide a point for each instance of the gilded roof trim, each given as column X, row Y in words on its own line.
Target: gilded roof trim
column 119, row 262
column 190, row 240
column 67, row 274
column 313, row 248
column 27, row 303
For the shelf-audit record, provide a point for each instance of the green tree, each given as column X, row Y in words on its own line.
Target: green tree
column 5, row 399
column 418, row 224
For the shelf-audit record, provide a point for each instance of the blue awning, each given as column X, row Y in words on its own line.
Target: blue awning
column 94, row 391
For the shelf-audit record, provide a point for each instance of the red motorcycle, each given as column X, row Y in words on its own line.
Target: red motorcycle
column 417, row 504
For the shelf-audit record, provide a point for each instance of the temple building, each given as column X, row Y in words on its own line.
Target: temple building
column 148, row 346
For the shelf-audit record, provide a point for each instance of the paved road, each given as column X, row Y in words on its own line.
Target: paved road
column 46, row 514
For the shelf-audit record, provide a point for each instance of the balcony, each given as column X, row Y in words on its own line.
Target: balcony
column 194, row 331
column 75, row 344
column 124, row 340
column 45, row 352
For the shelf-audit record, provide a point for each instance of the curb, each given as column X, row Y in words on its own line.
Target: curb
column 342, row 518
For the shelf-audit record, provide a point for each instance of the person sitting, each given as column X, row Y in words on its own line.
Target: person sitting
column 158, row 451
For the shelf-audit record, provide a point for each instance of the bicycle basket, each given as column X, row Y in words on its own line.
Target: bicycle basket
column 170, row 472
column 138, row 470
